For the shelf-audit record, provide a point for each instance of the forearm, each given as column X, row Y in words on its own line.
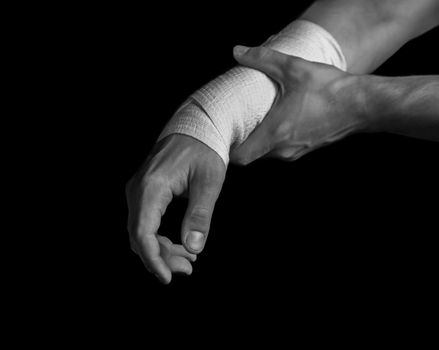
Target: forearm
column 402, row 105
column 370, row 31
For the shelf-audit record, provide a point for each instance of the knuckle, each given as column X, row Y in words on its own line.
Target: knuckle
column 241, row 160
column 200, row 216
column 200, row 212
column 260, row 53
column 285, row 153
column 137, row 234
column 154, row 181
column 282, row 132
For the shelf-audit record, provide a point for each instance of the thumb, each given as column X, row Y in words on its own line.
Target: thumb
column 264, row 59
column 255, row 146
column 203, row 193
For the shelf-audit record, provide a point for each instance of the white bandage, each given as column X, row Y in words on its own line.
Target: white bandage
column 223, row 112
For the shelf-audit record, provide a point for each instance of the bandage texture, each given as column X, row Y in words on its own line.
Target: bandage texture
column 223, row 112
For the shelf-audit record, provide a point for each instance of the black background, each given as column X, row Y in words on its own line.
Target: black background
column 350, row 226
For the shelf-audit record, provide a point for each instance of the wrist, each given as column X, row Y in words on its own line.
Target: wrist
column 368, row 103
column 353, row 93
column 381, row 101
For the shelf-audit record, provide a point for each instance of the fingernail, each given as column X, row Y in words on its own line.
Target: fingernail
column 195, row 240
column 239, row 50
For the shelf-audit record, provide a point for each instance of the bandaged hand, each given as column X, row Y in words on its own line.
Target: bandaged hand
column 316, row 105
column 192, row 152
column 178, row 165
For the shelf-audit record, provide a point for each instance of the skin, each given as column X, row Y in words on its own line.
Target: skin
column 178, row 165
column 371, row 31
column 181, row 165
column 314, row 107
column 403, row 105
column 318, row 104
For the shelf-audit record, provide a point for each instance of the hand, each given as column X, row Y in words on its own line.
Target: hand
column 178, row 165
column 316, row 105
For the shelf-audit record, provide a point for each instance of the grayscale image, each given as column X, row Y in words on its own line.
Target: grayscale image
column 306, row 87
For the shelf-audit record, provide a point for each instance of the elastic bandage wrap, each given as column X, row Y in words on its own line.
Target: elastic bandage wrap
column 225, row 111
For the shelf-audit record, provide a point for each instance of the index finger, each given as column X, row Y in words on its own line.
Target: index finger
column 156, row 197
